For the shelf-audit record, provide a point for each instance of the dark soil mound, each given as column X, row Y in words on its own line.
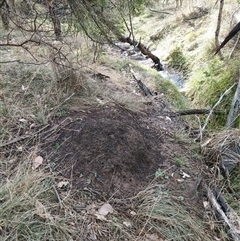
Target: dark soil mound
column 109, row 150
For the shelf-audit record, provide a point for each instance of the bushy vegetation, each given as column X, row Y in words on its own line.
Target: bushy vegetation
column 206, row 86
column 178, row 60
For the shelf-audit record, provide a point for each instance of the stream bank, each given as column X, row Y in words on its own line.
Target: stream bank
column 167, row 72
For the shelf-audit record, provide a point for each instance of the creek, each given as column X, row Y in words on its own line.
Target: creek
column 168, row 73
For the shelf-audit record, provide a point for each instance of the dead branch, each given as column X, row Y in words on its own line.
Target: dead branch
column 39, row 132
column 21, row 138
column 142, row 86
column 158, row 11
column 144, row 51
column 218, row 27
column 196, row 112
column 235, row 107
column 231, row 34
column 58, row 197
column 230, row 218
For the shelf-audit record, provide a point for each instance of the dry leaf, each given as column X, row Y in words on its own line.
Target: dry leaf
column 206, row 205
column 153, row 237
column 37, row 162
column 32, row 125
column 133, row 213
column 19, row 148
column 22, row 120
column 62, row 184
column 41, row 211
column 105, row 209
column 127, row 224
column 100, row 217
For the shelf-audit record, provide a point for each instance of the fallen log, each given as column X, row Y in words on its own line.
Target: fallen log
column 231, row 34
column 143, row 87
column 160, row 11
column 235, row 107
column 196, row 112
column 144, row 51
column 229, row 218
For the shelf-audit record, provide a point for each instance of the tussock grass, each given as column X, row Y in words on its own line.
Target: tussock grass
column 164, row 214
column 30, row 208
column 207, row 85
column 29, row 100
column 222, row 151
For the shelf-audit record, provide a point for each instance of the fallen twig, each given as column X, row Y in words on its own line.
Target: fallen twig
column 23, row 137
column 159, row 11
column 58, row 197
column 234, row 47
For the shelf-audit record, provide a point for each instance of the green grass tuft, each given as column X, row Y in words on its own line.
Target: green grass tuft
column 206, row 86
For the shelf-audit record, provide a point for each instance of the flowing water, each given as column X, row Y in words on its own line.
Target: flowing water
column 168, row 72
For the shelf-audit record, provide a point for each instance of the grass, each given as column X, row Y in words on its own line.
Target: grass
column 180, row 161
column 30, row 208
column 178, row 60
column 168, row 217
column 29, row 101
column 31, row 97
column 207, row 85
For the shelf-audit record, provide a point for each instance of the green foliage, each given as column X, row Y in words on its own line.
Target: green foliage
column 180, row 161
column 103, row 20
column 160, row 174
column 171, row 92
column 177, row 60
column 208, row 84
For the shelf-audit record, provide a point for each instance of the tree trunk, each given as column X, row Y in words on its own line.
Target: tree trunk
column 235, row 108
column 4, row 12
column 55, row 19
column 144, row 50
column 219, row 24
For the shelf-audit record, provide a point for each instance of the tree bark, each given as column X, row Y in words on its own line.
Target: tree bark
column 196, row 112
column 55, row 19
column 235, row 108
column 219, row 24
column 231, row 34
column 5, row 12
column 144, row 50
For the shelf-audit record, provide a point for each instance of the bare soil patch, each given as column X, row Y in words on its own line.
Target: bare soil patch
column 116, row 153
